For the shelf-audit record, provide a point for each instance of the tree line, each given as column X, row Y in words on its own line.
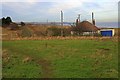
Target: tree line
column 6, row 21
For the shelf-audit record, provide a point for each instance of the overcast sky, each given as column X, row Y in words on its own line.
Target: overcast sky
column 43, row 10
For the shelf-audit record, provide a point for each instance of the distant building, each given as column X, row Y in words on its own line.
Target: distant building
column 85, row 28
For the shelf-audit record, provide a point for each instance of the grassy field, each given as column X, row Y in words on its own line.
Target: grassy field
column 60, row 59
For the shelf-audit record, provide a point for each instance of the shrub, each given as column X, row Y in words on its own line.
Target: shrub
column 54, row 31
column 22, row 24
column 5, row 21
column 26, row 32
column 8, row 20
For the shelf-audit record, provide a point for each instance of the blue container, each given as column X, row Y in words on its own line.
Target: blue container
column 106, row 33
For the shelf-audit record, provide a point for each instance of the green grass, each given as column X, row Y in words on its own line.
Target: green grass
column 62, row 59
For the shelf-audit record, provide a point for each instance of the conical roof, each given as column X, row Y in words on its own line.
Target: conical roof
column 86, row 26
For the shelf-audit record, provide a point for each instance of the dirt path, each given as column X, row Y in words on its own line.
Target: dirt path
column 46, row 68
column 45, row 65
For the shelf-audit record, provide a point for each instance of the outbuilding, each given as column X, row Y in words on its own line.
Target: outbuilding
column 107, row 32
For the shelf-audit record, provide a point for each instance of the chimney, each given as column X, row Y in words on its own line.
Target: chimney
column 77, row 22
column 79, row 18
column 93, row 20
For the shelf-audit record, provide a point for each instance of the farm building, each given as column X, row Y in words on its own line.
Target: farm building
column 85, row 28
column 107, row 32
